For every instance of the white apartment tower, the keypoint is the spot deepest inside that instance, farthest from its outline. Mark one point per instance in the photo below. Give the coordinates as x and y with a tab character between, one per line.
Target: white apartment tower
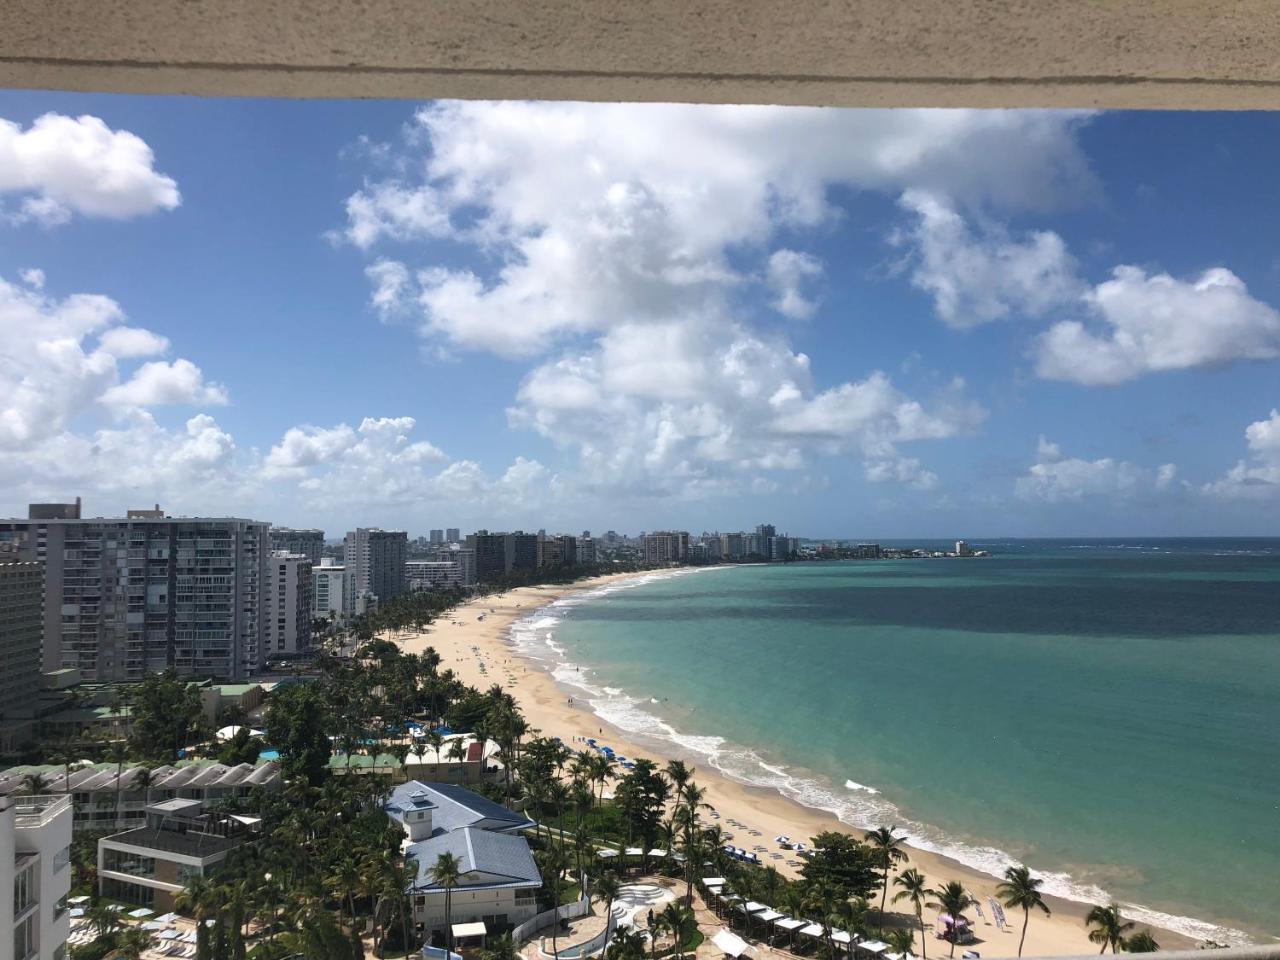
35	876
287	618
329	594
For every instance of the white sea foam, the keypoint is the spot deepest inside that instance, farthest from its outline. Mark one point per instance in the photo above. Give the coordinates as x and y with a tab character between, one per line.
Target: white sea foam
854	785
858	805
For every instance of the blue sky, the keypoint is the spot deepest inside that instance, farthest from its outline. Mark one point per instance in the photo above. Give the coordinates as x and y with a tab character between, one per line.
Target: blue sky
570	316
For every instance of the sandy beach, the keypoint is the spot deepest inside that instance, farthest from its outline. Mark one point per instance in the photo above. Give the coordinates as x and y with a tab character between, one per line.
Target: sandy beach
473	642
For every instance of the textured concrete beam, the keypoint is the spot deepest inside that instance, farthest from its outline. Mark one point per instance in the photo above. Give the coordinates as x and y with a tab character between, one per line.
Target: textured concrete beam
1121	53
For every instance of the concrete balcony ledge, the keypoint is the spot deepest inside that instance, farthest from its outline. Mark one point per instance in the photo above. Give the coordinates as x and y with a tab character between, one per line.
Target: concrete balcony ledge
1254	952
1126	53
35	811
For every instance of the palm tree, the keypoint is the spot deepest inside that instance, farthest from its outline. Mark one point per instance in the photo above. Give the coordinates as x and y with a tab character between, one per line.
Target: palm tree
1110	927
901	940
118	752
445	874
1140	942
952	898
435	740
104	922
1020	889
606	889
132	941
627	945
342	882
34	783
888	851
553	864
198	899
912	882
143	778
679	921
501	948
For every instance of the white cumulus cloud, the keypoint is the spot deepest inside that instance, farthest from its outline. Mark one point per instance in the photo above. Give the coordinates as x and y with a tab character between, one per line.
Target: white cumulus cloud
978	277
788	270
1150	323
1058	478
161	383
1258	476
60	166
618	247
60	358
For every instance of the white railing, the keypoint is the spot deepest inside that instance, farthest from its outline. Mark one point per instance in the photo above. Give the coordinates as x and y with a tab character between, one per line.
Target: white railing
568	911
39	809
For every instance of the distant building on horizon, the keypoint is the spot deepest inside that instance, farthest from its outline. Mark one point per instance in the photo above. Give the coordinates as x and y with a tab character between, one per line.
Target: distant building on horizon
668	546
453	535
309	543
437	537
375	561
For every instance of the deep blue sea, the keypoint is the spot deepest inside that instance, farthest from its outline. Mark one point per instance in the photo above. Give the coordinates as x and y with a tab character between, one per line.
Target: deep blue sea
1107	712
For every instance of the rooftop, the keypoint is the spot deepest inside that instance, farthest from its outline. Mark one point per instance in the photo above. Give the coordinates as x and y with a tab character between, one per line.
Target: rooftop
454	808
184	774
485	859
35	811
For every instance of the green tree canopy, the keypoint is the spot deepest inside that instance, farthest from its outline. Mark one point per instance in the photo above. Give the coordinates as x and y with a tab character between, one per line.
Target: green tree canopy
165	714
844	864
297	724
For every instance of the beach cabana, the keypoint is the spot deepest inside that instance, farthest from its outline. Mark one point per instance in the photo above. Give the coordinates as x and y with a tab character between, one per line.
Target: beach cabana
713	881
730	944
469	934
790	925
873	948
844	939
634	851
815	930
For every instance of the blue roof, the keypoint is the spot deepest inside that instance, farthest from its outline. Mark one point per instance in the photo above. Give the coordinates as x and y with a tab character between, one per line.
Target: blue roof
486	860
453	808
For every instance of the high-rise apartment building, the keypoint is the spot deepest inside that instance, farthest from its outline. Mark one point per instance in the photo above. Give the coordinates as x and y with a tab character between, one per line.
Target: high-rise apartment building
309	543
21	622
669	546
586	550
125	597
490	552
559	551
437	537
329	594
453	535
375	562
286	631
521	551
35	876
432	574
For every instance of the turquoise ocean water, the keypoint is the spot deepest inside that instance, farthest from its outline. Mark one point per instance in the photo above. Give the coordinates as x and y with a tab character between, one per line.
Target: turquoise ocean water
1107	712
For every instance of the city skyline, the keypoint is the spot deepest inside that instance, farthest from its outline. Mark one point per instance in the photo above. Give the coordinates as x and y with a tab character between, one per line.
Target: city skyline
511	316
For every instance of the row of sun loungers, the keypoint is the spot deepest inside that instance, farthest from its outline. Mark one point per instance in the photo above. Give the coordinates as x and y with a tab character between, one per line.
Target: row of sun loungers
792	927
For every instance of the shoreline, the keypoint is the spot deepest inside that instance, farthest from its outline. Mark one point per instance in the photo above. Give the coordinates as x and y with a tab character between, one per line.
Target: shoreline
481	652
